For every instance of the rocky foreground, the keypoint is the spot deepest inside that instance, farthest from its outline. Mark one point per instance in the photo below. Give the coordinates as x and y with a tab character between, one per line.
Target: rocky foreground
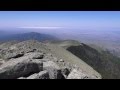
33	60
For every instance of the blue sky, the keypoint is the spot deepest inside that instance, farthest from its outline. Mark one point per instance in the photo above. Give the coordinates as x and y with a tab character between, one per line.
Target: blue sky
60	19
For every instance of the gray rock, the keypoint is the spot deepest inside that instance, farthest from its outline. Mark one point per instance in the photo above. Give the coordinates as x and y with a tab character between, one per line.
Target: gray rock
40	75
31	50
21	78
10	55
50	56
61	60
51	64
55	59
36	55
43	60
1	61
20	67
33	76
65	71
77	74
53	69
43	75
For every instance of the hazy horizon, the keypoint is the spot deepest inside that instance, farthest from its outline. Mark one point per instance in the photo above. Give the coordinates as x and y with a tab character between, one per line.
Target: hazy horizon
60	19
88	26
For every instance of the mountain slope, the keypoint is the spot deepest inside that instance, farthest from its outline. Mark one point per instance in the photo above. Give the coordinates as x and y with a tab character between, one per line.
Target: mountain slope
69	57
102	61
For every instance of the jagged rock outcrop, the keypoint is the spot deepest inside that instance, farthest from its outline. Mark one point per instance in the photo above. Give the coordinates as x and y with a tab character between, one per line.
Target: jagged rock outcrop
35	60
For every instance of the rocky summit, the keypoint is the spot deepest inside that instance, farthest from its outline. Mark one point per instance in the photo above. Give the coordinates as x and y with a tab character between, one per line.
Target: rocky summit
32	59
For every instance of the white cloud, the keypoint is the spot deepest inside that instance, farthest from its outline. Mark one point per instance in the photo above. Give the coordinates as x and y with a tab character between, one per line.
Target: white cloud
41	27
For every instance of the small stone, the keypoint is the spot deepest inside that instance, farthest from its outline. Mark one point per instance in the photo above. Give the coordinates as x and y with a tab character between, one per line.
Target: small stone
61	60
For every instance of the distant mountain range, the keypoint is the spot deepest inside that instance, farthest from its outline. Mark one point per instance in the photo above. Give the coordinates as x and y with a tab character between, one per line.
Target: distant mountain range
27	36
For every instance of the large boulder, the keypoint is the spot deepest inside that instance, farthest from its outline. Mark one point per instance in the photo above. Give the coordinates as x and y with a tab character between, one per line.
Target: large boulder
78	74
21	67
40	75
53	69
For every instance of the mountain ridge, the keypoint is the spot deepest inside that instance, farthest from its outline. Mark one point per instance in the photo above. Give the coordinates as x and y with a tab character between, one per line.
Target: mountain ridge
52	52
28	36
101	60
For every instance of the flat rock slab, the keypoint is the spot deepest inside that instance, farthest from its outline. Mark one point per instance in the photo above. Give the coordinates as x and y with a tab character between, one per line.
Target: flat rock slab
20	67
